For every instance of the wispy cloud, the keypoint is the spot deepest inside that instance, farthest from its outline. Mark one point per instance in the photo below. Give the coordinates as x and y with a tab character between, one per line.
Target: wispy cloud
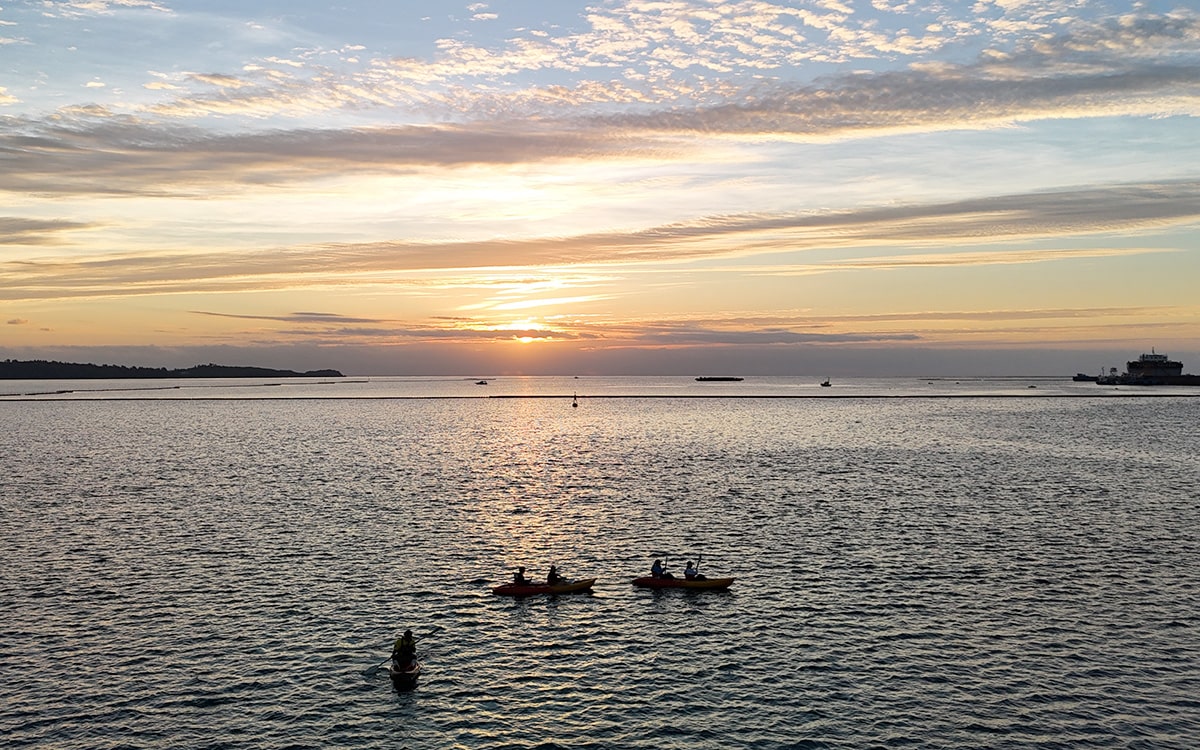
118	155
320	318
83	8
954	258
219	80
19	231
685	334
980	221
748	331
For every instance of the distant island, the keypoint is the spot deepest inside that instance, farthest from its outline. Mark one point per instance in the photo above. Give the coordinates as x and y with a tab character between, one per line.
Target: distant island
11	369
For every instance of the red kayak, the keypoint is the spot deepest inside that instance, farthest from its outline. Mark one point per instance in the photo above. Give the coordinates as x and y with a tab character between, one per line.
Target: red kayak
711	584
406	676
532	589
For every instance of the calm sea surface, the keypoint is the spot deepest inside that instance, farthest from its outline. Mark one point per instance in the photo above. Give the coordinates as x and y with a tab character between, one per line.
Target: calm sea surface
216	565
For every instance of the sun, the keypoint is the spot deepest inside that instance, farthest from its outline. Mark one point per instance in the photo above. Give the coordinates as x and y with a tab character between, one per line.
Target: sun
527	330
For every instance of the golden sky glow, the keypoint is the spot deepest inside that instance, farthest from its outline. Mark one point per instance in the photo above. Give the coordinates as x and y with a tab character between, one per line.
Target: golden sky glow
623	185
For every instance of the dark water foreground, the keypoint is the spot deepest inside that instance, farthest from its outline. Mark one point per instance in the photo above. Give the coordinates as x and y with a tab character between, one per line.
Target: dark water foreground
996	573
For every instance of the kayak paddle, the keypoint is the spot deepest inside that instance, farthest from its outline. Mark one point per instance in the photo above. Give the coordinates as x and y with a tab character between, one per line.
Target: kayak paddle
372	670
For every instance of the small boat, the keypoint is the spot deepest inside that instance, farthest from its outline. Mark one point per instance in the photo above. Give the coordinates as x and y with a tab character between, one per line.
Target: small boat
480	382
711	584
825	383
533	589
405	677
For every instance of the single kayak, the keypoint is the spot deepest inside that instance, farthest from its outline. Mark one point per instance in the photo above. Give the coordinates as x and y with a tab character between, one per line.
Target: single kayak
406	676
712	584
532	589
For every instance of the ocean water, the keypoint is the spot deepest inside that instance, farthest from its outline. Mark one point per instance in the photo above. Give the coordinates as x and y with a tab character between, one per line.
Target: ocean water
219	567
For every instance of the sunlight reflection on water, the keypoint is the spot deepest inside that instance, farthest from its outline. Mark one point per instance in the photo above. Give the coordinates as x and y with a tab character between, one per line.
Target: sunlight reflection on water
933	573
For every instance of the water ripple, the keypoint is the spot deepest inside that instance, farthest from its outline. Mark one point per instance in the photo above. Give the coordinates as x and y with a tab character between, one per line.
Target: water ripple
933	574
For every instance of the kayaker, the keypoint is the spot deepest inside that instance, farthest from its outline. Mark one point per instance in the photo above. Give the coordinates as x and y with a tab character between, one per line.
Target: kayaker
553	577
658	571
691	573
519	576
405	650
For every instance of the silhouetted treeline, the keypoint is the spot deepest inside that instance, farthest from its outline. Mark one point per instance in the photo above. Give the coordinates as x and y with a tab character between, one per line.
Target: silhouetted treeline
12	369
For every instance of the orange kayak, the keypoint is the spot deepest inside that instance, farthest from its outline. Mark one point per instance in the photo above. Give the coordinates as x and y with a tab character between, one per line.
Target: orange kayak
712	584
532	589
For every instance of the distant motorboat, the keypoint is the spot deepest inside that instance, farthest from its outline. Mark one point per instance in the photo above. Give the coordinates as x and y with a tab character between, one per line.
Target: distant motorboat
825	383
480	382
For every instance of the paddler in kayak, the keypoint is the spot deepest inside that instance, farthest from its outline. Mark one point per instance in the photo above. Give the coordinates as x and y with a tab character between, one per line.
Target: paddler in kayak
405	650
552	577
658	571
519	577
692	573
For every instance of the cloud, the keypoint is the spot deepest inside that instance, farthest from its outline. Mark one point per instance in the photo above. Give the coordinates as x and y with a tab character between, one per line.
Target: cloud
121	155
18	231
1005	257
691	335
927	101
219	80
335	328
297	317
1143	66
734	68
779	330
1122	208
1140	67
83	8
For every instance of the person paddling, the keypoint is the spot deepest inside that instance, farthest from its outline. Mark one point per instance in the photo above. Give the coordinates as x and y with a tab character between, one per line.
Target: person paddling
692	573
552	577
519	576
658	571
404	652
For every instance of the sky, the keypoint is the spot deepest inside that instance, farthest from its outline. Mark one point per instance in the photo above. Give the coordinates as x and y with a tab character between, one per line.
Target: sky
750	187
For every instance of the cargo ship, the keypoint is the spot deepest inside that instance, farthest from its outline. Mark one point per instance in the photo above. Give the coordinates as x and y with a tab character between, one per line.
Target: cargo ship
1150	369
